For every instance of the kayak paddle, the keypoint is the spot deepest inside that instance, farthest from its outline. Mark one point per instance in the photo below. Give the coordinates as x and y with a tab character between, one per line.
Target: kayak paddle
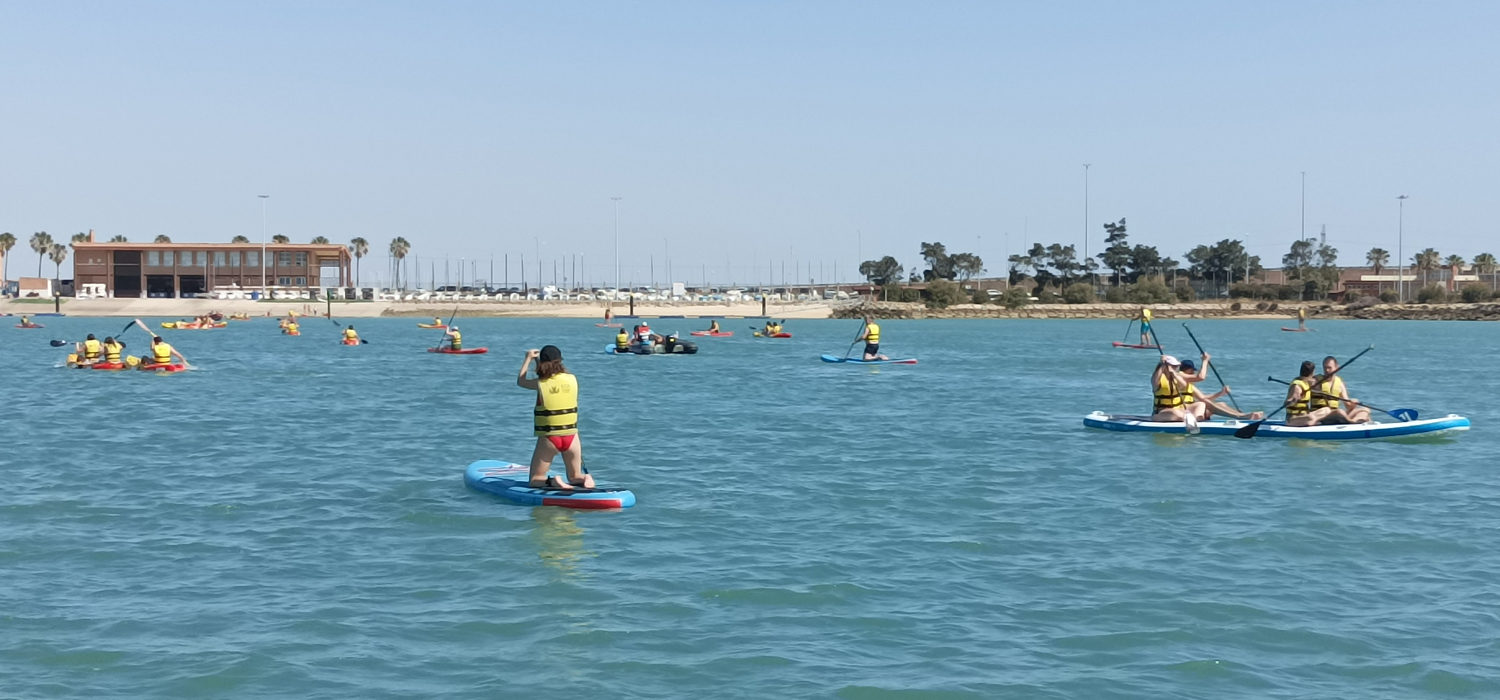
1211	365
1405	415
1249	431
60	343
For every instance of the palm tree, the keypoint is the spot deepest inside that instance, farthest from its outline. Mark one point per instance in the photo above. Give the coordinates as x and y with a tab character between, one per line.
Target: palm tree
119	239
163	238
40	242
1454	263
58	252
1484	264
239	239
399	249
280	239
320	240
358	247
78	238
1378	258
1426	260
7	241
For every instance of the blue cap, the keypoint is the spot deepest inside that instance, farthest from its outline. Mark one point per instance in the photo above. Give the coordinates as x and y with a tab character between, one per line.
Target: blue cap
1189	366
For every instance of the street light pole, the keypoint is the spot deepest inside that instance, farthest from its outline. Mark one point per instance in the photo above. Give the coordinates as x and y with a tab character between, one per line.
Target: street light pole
263	199
1400	254
617	242
1086	221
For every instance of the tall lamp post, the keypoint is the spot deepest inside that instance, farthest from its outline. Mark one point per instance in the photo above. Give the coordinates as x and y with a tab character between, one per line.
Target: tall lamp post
263	198
617	243
1086	221
1400	254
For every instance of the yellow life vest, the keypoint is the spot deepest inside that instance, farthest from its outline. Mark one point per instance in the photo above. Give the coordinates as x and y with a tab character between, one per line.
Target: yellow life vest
91	349
622	340
556	411
112	352
456	340
872	333
1303	406
350	334
1146	315
1333	387
291	328
161	354
1165	395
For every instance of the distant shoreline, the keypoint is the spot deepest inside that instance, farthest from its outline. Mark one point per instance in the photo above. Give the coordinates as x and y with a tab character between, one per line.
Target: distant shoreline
1248	310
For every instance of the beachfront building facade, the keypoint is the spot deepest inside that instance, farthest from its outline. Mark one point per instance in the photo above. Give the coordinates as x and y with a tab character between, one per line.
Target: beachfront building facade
170	270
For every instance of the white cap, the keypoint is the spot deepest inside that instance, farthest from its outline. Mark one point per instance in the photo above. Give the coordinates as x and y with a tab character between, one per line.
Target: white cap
1170	360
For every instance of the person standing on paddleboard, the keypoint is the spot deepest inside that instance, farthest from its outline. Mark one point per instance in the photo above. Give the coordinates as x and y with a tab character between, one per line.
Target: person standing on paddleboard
1146	338
1331	394
555	420
870	333
1302	322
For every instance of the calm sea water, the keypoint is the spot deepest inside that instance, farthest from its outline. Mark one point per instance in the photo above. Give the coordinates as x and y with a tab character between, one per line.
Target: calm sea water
290	521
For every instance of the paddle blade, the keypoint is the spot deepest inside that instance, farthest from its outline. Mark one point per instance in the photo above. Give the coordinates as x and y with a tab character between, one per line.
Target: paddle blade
1405	415
1191	422
59	343
1248	431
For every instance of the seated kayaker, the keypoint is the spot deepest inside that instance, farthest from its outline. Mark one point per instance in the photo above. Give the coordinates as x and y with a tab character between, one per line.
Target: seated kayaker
454	338
1299	409
112	349
554	420
90	350
1205	407
713	326
1169	391
870	334
291	328
1332	394
1146	327
162	353
26	322
350	336
438	322
622	341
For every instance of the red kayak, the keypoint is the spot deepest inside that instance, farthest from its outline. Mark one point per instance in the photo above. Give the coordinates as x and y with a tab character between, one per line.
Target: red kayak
1138	347
713	334
163	368
34	325
451	351
774	335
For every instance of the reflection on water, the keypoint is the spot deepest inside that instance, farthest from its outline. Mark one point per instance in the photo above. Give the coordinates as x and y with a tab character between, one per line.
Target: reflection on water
559	540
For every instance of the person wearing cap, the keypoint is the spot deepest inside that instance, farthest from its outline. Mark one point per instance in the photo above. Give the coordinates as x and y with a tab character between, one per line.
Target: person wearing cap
870	333
1146	338
454	338
1205	407
1169	391
554	419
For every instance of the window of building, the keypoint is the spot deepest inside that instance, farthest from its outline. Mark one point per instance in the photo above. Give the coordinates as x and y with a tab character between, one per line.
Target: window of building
301	281
302	260
234	258
153	258
252	258
284	281
166	258
219	259
202	258
284	259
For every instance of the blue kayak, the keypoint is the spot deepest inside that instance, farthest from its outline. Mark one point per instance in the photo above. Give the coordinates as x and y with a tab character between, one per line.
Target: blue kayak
509	481
860	361
1428	427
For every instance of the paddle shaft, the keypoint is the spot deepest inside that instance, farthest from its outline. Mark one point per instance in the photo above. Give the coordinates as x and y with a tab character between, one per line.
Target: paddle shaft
153	335
1250	430
1211	365
449	327
1327	395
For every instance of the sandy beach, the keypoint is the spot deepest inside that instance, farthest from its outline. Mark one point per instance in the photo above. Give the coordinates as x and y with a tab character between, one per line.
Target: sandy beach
189	308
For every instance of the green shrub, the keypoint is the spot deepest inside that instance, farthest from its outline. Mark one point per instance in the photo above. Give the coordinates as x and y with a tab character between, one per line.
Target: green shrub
1015	298
1184	293
1286	292
898	293
942	294
1242	290
1115	295
979	297
1149	292
1432	294
1078	294
1389	296
1476	293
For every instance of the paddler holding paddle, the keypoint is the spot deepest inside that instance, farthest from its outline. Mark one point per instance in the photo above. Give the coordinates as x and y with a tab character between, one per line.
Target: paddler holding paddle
1329	392
1146	338
870	334
1302	319
713	326
1300	412
554	419
1205	407
454	338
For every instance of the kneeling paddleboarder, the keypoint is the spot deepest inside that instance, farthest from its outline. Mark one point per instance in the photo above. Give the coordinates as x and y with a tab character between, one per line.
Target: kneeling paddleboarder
555	420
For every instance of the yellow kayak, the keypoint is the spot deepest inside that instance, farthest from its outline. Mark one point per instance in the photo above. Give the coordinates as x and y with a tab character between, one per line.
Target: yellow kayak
183	326
431	325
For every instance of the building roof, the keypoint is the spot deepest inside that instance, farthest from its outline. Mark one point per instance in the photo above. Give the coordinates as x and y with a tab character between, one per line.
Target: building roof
311	247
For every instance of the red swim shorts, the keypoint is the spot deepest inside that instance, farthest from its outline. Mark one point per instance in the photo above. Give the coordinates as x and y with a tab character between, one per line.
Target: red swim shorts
561	442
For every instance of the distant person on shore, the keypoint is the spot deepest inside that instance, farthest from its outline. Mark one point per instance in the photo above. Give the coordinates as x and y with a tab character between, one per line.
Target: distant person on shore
870	334
454	338
1146	338
1333	395
554	420
1299	395
1204	407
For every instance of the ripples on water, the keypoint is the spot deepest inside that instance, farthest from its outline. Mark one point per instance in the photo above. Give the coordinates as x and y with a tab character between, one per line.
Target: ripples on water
290	521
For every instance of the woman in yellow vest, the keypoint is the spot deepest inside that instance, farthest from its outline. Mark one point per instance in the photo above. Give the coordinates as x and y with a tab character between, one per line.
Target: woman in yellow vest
1169	391
622	341
112	350
554	420
90	351
1331	394
454	338
350	336
1299	396
870	333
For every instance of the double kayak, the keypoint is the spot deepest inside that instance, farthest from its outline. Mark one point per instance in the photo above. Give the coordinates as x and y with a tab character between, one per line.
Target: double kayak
511	482
713	334
1428	427
185	326
1137	347
433	325
105	366
466	351
862	361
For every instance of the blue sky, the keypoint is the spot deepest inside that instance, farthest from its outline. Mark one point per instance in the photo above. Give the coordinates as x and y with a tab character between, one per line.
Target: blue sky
742	135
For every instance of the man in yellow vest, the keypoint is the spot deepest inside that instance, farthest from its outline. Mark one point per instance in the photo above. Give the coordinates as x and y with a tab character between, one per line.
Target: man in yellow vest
1331	394
871	335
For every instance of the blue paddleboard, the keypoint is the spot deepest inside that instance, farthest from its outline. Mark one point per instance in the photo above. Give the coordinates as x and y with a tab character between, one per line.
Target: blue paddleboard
860	361
510	482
